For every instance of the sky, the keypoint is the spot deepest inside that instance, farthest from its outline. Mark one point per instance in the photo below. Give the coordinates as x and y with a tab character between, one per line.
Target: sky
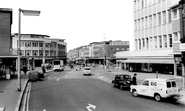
79	22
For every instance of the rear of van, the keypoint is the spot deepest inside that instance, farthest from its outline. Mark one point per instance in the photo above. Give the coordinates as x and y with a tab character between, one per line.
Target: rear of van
171	88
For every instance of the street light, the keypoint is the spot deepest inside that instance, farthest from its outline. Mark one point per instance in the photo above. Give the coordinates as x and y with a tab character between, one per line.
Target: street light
27	13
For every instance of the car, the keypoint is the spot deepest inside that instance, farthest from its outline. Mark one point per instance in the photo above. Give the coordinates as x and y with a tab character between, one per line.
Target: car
87	71
35	75
122	81
157	88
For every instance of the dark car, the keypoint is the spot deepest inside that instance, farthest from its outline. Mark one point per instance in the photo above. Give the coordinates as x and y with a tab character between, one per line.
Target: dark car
122	81
35	75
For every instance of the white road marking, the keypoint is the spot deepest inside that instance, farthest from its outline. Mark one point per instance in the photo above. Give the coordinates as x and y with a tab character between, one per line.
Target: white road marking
90	106
104	79
44	110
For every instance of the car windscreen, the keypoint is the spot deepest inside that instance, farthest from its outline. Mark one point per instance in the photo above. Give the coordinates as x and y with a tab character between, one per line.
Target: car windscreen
87	69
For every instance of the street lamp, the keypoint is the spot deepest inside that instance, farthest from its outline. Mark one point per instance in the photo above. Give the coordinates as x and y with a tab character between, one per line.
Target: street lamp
27	13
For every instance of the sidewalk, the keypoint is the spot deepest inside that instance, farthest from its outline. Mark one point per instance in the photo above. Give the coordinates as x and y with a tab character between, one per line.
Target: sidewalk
10	97
142	76
9	94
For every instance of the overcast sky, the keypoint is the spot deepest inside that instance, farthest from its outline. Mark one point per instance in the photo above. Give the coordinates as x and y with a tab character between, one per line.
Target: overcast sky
79	22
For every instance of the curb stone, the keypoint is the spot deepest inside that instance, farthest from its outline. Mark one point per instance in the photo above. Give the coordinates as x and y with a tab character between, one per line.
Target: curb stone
20	97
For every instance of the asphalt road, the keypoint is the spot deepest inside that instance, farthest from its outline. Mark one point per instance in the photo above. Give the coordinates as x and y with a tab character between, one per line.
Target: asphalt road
71	91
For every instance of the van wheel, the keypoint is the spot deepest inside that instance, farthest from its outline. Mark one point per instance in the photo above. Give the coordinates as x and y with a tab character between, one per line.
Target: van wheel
157	97
134	92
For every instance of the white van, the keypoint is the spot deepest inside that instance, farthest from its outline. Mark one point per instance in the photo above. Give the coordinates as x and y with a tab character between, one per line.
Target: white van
58	65
157	88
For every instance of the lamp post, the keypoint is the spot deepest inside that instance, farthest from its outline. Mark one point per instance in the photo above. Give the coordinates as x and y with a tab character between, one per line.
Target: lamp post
28	13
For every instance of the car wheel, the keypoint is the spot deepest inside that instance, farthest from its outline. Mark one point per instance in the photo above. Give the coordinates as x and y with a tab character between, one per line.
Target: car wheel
134	92
114	84
157	97
121	87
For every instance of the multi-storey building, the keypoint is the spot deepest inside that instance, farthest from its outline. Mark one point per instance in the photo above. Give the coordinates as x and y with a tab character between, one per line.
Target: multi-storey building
156	33
37	49
98	52
7	59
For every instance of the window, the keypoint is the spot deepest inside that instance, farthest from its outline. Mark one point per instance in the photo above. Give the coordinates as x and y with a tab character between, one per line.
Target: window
174	13
155	42
28	44
122	48
40	44
139	24
146	43
170	40
139	43
143	40
112	48
165	41
22	43
151	42
174	84
135	26
35	52
136	44
145	3
169	16
142	23
35	44
164	17
22	53
160	42
145	83
150	18
154	19
159	18
153	83
142	4
168	84
41	53
28	52
146	22
175	36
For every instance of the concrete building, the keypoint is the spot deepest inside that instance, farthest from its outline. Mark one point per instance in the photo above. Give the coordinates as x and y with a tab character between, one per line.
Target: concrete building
98	52
156	37
7	59
37	49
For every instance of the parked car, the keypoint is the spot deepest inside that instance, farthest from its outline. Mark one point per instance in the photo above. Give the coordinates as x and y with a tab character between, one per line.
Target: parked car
122	81
35	75
157	88
59	68
87	71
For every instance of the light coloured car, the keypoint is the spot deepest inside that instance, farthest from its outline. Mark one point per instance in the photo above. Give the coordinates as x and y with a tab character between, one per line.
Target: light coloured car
87	71
157	88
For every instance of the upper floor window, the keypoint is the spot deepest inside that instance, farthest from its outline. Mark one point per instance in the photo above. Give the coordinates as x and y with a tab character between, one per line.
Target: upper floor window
159	18
169	16
175	36
154	19
28	44
174	13
146	3
164	17
165	41
160	42
170	40
146	22
150	17
142	4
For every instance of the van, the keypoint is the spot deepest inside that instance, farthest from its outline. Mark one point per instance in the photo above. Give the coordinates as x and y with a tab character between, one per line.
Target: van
157	88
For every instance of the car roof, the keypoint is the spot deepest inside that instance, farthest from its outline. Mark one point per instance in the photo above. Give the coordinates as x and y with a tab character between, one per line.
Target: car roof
159	79
123	75
87	67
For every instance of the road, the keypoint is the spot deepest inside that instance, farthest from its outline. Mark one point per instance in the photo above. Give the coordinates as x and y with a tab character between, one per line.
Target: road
71	91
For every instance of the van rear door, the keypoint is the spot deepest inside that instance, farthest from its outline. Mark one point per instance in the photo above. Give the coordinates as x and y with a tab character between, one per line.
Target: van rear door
172	88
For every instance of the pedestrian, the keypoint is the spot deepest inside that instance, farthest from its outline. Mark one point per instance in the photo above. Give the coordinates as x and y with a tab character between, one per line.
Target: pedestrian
134	80
24	69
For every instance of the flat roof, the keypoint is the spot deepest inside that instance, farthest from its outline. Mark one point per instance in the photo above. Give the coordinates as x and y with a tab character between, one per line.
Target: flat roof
9	10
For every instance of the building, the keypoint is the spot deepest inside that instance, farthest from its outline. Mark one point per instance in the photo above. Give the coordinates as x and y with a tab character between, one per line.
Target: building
98	52
37	49
156	37
7	59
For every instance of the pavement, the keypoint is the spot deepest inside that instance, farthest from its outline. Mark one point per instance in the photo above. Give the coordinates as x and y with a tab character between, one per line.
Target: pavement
10	97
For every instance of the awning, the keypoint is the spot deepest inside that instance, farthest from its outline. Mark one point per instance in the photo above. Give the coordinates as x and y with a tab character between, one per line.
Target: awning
150	61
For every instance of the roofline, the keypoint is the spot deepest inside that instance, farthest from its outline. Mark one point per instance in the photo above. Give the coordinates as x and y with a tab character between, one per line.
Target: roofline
10	10
31	34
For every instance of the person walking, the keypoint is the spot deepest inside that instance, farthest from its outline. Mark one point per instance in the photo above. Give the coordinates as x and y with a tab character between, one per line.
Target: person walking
134	79
24	69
